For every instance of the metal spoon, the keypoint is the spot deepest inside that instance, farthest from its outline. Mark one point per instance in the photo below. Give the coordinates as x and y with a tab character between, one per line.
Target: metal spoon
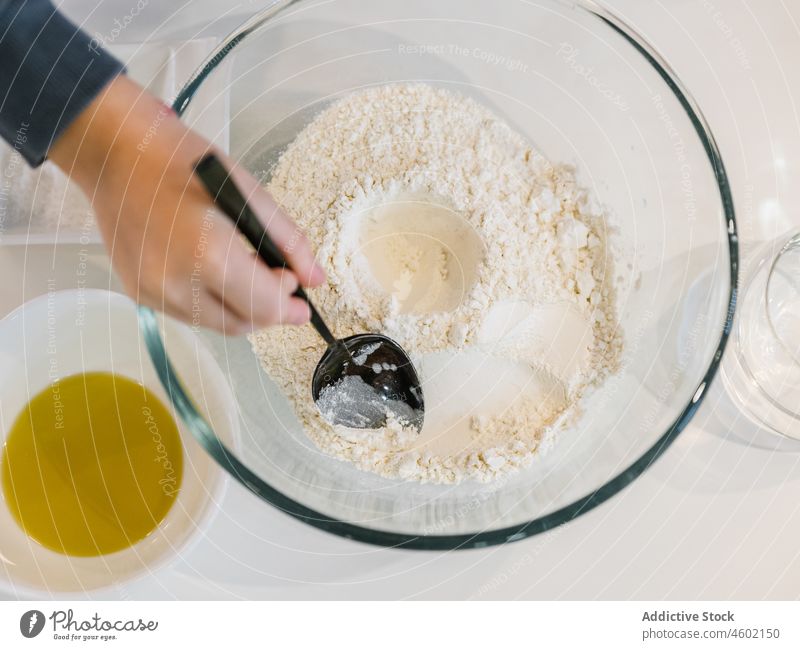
361	379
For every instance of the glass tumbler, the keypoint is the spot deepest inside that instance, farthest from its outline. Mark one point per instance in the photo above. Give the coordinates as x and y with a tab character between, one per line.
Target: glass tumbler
761	372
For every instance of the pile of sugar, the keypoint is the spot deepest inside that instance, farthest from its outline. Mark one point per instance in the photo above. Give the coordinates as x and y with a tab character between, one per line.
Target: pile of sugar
413	149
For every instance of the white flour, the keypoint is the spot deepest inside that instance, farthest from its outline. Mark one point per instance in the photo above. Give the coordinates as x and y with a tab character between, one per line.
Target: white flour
442	228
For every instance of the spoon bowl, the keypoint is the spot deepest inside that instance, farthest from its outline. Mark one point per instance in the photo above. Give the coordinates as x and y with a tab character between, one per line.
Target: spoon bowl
366	379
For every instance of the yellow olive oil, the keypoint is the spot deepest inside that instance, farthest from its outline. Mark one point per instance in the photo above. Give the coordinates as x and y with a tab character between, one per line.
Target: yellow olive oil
92	464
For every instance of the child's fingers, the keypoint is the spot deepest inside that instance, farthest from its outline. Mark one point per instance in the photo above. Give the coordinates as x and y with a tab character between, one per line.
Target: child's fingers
283	231
263	297
254	292
206	310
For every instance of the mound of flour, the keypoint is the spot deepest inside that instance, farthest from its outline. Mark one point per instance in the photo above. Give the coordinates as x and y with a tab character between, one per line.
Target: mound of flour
442	228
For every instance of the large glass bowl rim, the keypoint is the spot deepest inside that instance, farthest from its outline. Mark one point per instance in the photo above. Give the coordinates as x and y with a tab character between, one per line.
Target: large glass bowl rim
201	430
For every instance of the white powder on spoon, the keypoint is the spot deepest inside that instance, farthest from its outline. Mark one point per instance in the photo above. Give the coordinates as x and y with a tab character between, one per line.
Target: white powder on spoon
443	229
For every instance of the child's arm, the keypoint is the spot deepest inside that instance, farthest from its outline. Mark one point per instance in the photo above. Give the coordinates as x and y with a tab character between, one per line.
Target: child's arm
63	97
170	246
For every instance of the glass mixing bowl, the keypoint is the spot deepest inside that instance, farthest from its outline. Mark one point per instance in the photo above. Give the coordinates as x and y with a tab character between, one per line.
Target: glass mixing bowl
586	90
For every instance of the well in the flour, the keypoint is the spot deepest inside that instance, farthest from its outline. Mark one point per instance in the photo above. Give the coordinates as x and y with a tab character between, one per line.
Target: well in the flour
421	253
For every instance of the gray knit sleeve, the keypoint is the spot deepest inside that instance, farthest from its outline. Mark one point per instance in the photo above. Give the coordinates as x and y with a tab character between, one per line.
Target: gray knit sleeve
49	72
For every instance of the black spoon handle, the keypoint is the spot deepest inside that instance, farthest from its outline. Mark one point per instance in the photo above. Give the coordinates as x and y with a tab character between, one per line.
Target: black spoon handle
229	199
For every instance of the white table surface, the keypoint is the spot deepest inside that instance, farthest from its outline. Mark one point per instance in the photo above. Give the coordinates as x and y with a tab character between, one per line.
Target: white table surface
716	517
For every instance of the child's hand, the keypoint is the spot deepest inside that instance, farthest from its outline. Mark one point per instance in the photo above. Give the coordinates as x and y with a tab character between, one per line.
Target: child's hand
172	249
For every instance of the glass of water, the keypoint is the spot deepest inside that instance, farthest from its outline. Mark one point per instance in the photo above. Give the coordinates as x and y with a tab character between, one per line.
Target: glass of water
762	369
